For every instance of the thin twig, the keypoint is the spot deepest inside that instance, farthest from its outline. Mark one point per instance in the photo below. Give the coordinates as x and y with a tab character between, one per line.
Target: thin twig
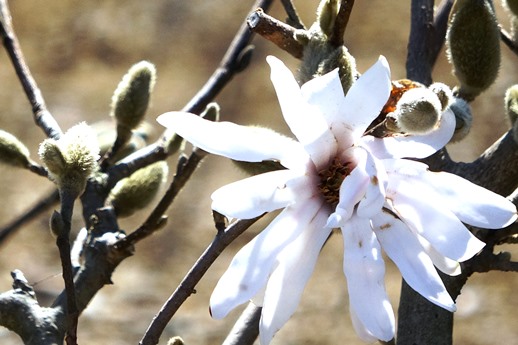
507	38
42	205
246	328
42	116
293	17
342	19
275	31
186	287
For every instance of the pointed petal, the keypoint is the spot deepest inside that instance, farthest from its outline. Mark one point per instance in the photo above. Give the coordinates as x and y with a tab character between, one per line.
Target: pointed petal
425	215
413	146
295	263
249	270
253	196
366	98
352	190
305	120
416	267
250	144
375	193
443	264
365	271
471	203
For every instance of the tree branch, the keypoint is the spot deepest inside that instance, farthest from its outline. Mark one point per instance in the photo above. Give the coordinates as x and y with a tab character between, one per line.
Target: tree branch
246	328
186	287
42	116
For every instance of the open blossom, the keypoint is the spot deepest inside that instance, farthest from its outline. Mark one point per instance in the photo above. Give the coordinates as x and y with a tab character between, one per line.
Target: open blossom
338	177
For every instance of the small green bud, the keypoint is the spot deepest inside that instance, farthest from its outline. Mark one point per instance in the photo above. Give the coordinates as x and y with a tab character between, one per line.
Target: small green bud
463	119
12	151
175	341
473	46
131	98
71	159
138	190
326	15
417	111
511	103
444	94
57	225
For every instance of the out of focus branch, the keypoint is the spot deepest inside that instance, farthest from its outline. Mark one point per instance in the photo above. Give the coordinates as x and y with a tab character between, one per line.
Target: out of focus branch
186	287
42	116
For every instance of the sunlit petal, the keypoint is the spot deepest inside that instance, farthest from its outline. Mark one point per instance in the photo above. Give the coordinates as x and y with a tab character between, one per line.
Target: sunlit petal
375	193
253	196
294	266
366	98
252	265
416	267
428	217
305	119
250	144
365	271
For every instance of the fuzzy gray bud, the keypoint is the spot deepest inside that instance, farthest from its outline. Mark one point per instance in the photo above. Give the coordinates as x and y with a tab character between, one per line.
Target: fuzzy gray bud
417	111
12	151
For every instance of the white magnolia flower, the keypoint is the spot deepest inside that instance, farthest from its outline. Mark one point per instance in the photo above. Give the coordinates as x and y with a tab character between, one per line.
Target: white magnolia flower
337	177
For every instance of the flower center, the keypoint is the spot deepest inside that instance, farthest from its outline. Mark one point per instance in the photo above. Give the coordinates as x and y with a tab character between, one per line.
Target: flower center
331	179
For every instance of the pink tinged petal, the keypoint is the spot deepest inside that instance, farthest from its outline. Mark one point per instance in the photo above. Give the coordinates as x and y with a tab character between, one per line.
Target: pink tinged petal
426	215
366	98
352	190
242	143
295	263
416	267
249	270
365	271
375	193
253	196
472	204
413	146
305	120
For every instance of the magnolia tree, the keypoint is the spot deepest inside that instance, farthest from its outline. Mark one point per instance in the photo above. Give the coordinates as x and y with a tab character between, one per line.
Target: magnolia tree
366	161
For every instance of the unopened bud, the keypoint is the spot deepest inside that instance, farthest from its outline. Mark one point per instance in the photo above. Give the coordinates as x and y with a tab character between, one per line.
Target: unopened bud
473	48
12	151
138	190
417	111
71	159
131	98
57	225
511	103
175	341
326	15
463	119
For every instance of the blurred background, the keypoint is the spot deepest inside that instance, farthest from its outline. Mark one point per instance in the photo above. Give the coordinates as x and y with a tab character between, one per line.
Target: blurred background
79	50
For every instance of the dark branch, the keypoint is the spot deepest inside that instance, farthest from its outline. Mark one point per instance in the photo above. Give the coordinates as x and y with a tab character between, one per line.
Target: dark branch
293	17
275	31
246	328
342	19
186	287
42	116
509	41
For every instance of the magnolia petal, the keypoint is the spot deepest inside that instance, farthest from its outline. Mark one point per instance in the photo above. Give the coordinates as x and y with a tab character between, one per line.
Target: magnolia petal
365	271
352	190
360	328
295	263
305	120
374	197
443	264
413	146
249	270
250	144
416	267
366	98
253	196
425	215
471	203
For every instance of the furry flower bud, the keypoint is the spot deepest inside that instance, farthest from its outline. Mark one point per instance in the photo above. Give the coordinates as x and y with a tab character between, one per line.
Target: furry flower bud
12	151
71	159
463	119
511	103
326	15
417	111
138	190
131	98
57	225
473	48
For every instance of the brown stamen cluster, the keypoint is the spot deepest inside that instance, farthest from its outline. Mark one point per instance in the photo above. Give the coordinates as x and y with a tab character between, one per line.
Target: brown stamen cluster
331	179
